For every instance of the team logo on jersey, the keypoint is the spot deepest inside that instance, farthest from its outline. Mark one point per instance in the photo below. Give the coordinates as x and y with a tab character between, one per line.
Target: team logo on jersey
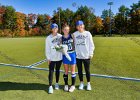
56	40
81	39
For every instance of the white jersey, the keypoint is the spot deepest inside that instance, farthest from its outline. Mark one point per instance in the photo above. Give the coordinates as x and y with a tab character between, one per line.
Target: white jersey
51	53
84	45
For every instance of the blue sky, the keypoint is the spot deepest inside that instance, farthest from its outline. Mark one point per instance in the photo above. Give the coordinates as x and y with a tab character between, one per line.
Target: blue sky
48	6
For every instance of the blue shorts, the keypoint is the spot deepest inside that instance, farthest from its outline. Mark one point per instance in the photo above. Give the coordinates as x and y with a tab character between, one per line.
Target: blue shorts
73	59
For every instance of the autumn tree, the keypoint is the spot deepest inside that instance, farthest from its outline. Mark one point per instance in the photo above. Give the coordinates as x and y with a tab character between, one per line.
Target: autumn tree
98	25
31	19
2	12
20	24
43	24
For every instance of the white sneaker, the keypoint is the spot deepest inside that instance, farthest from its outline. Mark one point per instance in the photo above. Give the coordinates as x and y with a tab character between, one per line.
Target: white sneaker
88	87
57	86
66	88
81	86
72	88
50	90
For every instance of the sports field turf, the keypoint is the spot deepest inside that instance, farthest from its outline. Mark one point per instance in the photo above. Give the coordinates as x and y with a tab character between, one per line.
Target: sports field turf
118	56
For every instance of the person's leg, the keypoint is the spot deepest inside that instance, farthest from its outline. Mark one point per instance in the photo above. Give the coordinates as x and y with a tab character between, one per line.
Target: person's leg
80	73
73	75
73	78
65	76
51	70
87	68
79	67
73	64
57	74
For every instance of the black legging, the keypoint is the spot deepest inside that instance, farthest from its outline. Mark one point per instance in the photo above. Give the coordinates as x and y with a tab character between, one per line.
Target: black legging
86	63
57	65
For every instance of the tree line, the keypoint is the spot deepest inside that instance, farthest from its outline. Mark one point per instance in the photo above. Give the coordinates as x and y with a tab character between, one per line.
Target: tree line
16	24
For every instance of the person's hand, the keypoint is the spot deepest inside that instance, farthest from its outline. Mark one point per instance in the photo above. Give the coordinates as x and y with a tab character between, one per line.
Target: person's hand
49	62
91	56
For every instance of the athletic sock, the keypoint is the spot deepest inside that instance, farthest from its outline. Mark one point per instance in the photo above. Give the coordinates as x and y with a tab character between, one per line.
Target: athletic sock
65	79
73	78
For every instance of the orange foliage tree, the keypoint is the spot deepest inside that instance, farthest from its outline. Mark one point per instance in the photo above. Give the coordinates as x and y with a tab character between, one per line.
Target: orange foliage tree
20	26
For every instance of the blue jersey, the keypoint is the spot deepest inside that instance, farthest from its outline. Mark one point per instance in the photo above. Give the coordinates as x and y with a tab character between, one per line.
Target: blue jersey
69	42
71	50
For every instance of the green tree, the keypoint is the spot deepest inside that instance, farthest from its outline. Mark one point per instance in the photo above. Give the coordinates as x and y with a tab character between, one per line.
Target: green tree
9	18
84	13
135	18
66	17
106	21
43	24
121	20
105	14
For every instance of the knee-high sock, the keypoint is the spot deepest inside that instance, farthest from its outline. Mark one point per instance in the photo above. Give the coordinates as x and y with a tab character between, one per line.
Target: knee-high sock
73	79
65	79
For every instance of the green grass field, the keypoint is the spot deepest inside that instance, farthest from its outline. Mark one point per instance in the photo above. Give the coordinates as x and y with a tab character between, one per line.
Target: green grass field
118	56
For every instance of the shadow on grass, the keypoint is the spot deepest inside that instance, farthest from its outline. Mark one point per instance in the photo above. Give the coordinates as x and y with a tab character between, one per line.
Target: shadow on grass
5	86
77	87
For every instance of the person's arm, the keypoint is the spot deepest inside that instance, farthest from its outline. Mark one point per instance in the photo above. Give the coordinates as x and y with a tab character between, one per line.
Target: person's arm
73	40
72	36
91	46
60	41
47	50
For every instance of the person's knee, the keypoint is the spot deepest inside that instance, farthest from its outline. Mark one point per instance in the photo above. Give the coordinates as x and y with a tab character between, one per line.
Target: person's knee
80	71
87	72
57	71
51	71
66	73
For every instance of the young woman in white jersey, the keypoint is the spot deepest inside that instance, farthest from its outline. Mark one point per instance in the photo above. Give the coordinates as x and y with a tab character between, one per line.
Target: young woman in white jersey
84	48
54	57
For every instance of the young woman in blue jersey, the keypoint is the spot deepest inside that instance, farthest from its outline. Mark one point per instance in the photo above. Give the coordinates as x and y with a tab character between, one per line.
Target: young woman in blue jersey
67	39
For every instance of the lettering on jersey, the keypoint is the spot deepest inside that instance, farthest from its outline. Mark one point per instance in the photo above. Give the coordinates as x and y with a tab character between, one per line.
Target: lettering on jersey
81	40
68	41
56	40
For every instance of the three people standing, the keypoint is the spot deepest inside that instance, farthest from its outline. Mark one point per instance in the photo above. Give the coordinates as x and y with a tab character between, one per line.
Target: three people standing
80	49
